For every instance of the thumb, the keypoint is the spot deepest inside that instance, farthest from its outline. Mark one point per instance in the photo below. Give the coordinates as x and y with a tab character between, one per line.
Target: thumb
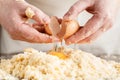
77	8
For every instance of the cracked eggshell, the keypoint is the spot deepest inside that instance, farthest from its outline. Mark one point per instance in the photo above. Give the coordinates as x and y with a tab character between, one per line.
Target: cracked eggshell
68	28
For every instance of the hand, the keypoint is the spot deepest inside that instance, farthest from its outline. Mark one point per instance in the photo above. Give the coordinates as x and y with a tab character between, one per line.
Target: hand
13	19
103	16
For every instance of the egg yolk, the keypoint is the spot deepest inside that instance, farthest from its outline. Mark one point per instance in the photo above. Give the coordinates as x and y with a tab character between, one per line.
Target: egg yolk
59	54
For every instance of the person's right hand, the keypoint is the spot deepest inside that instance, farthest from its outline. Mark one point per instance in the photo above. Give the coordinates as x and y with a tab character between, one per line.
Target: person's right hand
104	13
12	18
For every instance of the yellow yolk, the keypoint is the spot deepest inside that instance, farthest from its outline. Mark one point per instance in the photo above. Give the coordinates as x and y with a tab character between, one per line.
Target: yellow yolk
58	54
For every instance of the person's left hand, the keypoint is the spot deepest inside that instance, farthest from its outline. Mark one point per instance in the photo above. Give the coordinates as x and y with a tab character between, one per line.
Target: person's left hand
103	16
14	15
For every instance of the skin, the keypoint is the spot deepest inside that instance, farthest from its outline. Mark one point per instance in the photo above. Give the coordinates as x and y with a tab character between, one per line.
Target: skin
103	11
13	19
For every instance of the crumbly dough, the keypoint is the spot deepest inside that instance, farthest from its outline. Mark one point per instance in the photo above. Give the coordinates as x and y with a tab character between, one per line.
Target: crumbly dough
80	65
6	76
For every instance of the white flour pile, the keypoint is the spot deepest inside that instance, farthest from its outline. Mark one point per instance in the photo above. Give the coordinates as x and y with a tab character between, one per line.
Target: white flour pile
34	65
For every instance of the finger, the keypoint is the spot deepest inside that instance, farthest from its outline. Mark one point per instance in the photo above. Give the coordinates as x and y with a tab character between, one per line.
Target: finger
40	16
96	34
35	14
25	32
39	27
32	35
78	7
90	27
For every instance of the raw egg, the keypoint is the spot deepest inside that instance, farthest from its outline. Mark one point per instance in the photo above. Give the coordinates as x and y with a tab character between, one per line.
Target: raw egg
60	55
